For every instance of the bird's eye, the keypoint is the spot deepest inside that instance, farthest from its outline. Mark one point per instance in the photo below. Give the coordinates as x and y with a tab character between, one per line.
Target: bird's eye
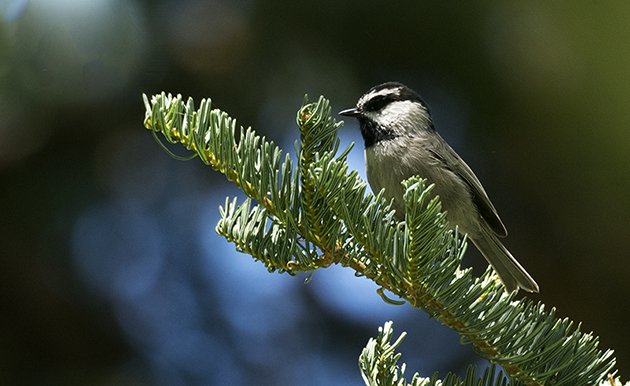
377	103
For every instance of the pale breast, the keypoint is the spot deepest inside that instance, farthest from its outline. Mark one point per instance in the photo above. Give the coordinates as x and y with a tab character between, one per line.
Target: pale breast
388	163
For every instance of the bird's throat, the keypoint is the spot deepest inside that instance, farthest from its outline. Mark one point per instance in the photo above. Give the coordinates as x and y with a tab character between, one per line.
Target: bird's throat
374	133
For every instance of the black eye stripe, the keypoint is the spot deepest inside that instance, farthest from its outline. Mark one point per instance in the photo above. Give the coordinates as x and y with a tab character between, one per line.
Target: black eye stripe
378	102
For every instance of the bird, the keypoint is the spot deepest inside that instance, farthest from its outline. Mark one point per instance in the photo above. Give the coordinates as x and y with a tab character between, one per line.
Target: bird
400	142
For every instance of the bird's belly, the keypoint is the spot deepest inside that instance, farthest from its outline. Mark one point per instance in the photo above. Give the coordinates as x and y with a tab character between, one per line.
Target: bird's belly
386	169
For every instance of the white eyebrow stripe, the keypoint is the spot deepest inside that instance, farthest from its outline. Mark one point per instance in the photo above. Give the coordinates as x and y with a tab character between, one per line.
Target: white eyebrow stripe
374	94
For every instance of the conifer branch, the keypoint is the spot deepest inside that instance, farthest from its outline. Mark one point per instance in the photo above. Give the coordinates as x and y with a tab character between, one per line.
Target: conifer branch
320	213
379	366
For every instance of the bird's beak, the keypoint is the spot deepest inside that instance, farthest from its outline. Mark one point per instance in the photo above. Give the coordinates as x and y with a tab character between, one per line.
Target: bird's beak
353	112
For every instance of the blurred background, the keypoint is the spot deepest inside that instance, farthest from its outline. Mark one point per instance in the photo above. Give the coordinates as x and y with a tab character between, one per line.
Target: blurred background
111	272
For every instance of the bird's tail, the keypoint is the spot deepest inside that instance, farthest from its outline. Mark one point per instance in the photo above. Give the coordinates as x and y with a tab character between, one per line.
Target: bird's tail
511	272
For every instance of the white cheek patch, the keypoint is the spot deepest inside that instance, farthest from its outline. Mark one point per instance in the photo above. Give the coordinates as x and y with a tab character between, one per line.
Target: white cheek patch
403	115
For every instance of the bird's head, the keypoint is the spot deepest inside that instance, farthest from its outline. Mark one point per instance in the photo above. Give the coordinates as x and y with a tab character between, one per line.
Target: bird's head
388	111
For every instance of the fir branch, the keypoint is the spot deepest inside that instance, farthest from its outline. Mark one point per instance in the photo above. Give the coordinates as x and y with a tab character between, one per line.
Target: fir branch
318	133
319	213
479	310
378	363
379	366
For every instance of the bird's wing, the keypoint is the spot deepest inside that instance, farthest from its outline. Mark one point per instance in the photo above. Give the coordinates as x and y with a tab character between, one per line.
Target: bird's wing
479	196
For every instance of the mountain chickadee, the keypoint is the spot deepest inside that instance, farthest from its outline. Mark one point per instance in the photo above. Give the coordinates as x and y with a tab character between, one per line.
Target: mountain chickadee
400	142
